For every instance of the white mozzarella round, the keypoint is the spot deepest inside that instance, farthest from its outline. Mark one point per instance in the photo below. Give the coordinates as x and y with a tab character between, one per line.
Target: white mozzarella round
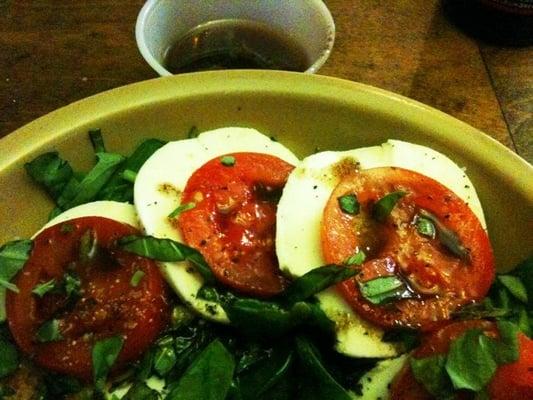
375	383
121	212
162	179
299	219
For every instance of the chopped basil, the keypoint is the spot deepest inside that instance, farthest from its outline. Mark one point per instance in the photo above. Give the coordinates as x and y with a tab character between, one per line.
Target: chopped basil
357	259
384	289
228	161
447	237
209	376
49	332
104	354
315	281
13	256
129	175
181	208
349	204
97	141
166	250
9	358
88	246
51	172
515	287
66	228
43	288
384	206
72	284
136	278
426	227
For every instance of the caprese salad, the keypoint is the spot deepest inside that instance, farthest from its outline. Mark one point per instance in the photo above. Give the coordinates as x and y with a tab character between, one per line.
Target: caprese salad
223	267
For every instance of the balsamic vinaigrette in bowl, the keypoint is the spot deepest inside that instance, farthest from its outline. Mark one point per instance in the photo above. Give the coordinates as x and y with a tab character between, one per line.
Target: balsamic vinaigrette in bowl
235	44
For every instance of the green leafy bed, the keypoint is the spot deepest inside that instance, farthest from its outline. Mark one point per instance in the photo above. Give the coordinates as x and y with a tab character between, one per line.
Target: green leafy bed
276	349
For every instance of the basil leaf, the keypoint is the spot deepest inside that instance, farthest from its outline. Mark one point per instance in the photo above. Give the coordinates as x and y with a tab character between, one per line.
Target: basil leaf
524	271
506	350
426	227
140	391
49	332
136	278
447	237
315	281
43	288
95	180
209	377
181	208
104	354
9	358
258	318
324	386
13	256
166	250
119	187
431	373
129	175
515	287
88	246
470	363
384	206
51	172
72	284
384	289
97	141
164	359
349	204
228	161
357	259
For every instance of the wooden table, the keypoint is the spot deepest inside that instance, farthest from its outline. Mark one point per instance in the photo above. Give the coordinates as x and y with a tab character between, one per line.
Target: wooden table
53	52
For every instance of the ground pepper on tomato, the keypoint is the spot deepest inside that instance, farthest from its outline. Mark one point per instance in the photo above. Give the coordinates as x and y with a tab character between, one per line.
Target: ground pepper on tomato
429	279
233	220
91	297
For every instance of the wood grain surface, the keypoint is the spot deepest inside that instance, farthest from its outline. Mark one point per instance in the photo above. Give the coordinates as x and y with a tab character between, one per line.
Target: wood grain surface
54	52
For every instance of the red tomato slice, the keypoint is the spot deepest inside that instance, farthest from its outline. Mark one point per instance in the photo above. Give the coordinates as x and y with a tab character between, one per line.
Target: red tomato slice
438	281
233	222
108	304
515	381
406	387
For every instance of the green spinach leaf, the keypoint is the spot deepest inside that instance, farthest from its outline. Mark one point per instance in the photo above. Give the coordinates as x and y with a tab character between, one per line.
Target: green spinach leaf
51	172
13	256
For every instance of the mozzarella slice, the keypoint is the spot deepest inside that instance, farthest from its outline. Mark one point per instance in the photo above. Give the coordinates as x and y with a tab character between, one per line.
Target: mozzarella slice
299	219
162	179
376	382
121	212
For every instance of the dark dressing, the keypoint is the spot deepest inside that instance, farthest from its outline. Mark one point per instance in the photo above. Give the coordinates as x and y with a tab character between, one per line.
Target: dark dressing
235	44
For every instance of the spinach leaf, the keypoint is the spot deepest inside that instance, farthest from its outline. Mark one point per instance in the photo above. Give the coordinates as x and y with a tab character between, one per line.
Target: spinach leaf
515	287
51	172
166	250
266	374
320	383
13	256
524	271
140	391
87	190
95	135
384	206
470	364
120	189
315	281
9	358
104	354
431	373
209	377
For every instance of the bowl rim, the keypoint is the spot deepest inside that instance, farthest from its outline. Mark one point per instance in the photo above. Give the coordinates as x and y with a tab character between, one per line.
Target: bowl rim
49	127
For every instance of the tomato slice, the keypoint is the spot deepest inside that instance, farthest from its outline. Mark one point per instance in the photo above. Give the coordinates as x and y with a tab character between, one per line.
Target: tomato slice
107	303
406	387
515	381
233	221
437	282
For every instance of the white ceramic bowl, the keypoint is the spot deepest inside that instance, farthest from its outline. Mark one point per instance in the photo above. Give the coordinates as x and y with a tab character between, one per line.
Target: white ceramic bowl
161	22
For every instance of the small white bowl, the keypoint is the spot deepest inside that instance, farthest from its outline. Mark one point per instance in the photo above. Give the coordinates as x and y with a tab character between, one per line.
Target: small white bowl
162	22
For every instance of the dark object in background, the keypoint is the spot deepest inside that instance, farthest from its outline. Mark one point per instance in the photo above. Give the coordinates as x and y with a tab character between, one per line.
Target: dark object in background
500	22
